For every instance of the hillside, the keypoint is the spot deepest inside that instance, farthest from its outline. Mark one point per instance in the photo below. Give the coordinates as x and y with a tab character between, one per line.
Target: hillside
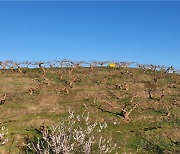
140	106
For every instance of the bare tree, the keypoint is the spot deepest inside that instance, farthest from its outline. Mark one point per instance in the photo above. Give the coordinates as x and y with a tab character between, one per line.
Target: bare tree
4	64
3	99
73	80
126	113
149	93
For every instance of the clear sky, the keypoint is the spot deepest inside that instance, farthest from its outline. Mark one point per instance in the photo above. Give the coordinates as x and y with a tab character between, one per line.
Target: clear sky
144	32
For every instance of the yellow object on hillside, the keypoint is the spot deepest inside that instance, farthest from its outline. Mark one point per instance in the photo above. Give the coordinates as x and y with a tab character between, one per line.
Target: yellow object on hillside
112	65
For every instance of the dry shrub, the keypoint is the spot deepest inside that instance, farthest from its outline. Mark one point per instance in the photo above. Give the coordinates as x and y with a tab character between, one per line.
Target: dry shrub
72	135
3	135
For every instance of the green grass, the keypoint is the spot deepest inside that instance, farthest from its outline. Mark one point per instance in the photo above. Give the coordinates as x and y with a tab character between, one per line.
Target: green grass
148	130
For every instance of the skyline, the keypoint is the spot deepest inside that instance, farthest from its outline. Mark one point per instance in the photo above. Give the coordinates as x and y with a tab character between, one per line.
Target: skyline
143	32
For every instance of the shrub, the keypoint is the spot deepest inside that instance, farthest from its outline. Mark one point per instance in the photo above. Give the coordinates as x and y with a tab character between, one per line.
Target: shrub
3	135
72	135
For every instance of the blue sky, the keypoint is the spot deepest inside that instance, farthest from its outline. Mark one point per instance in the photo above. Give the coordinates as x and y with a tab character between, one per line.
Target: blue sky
144	32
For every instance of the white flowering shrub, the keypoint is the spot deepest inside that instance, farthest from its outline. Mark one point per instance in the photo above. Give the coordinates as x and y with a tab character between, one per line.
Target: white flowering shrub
74	135
3	135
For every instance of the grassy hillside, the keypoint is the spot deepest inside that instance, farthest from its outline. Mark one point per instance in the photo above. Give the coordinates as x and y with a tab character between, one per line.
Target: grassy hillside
141	107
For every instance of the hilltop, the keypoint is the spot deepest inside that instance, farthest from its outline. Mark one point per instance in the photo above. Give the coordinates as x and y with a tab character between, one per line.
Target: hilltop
140	106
